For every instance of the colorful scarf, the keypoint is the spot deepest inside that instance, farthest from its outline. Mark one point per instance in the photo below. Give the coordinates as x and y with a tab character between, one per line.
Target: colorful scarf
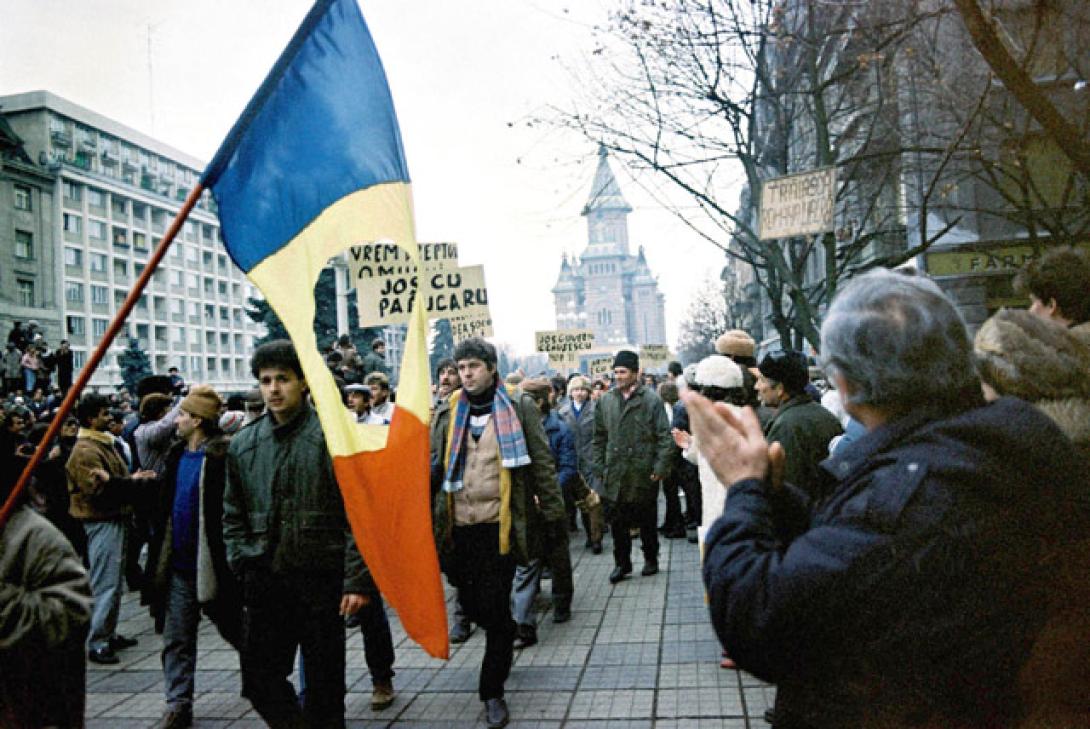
512	443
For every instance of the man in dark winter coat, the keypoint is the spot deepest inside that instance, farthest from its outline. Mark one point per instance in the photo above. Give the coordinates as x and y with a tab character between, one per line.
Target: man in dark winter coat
288	542
187	561
632	452
951	540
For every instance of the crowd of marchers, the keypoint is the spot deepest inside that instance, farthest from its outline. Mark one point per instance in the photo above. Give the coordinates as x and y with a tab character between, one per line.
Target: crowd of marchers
895	535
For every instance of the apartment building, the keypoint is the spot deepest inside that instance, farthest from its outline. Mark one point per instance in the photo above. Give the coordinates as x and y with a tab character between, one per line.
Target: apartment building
81	211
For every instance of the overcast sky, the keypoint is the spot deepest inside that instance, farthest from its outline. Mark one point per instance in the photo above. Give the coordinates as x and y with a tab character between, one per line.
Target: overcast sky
465	77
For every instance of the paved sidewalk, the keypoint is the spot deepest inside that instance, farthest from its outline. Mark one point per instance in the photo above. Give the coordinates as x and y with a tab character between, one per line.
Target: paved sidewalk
637	655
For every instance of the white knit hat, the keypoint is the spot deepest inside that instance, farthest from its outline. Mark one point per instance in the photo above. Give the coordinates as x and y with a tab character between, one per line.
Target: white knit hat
718	371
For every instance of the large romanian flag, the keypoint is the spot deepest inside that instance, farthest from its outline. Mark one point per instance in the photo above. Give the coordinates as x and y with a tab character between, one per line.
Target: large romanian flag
313	166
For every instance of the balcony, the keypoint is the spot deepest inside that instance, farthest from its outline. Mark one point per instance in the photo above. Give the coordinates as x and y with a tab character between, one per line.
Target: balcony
61	139
109	158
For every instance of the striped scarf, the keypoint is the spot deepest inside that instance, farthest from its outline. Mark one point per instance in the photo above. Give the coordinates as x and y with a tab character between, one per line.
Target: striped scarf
512	443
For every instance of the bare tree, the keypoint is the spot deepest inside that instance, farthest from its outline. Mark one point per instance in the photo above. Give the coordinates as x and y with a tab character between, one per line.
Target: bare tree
707	317
708	94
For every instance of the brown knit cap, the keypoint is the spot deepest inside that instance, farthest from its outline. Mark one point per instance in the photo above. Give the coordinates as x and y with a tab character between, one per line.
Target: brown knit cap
203	402
735	343
153	402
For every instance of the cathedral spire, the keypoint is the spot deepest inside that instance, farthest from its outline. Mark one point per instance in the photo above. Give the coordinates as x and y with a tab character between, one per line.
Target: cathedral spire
605	193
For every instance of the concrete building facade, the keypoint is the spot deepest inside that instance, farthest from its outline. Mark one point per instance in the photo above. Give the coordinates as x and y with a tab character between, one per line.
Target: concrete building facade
101	196
608	289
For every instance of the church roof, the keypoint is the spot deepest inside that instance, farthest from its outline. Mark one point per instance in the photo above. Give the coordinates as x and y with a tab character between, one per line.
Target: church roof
605	193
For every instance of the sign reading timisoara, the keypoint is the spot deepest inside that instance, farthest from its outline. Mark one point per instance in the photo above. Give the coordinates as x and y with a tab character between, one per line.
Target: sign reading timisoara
564	345
800	204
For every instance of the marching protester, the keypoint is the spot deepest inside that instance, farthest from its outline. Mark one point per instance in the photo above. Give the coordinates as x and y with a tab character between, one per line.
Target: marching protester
375	360
929	550
359	401
498	488
288	543
382	408
578	413
632	450
102	493
556	556
187	562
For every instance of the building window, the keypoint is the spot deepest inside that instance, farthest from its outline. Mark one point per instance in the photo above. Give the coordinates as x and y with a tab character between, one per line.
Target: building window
121	268
26	292
73	292
74	257
24	244
99	295
98	327
72	223
176	278
96	198
22	197
192	281
96	229
72	192
98	262
75	326
222	288
139	241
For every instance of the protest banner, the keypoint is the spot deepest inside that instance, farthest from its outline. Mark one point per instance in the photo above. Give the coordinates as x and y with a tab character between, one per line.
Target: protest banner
564	345
381	272
456	292
464	327
799	204
654	355
600	366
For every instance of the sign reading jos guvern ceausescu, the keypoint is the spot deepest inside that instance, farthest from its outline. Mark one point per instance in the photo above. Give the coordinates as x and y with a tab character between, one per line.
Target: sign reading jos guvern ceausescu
800	204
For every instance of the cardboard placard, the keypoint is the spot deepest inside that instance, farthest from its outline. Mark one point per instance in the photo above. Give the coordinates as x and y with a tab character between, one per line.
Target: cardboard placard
600	366
447	292
654	355
564	345
464	327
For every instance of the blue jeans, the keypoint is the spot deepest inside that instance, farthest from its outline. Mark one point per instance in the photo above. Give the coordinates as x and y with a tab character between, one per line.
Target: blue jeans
30	377
179	655
378	645
106	556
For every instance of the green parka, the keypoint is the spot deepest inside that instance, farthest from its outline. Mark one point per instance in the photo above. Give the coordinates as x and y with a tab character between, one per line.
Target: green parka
282	508
632	441
804	429
535	494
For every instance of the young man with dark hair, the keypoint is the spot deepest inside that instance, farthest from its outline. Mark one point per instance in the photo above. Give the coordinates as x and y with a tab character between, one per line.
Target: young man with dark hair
497	488
187	563
375	360
101	492
1058	285
288	542
382	409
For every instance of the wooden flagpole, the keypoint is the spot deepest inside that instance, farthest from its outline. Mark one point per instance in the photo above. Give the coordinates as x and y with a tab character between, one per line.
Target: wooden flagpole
96	357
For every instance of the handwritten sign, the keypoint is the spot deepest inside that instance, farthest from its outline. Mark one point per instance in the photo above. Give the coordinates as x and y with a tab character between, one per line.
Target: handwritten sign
654	355
600	366
801	204
564	345
447	293
379	260
464	327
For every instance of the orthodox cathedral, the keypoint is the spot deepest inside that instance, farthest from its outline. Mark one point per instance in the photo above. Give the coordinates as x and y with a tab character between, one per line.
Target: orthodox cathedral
608	290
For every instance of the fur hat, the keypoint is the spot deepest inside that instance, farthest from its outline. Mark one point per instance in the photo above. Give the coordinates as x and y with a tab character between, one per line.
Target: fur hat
718	371
1027	356
203	402
736	343
787	367
628	359
153	402
579	382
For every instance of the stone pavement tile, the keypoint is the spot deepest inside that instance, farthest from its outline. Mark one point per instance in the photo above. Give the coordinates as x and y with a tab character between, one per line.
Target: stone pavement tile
360	724
220	680
699	702
405	680
543	678
648	603
537	706
758	700
123	681
624	654
691	651
751	680
99	702
632	628
608	724
552	655
704	723
689	632
454	679
686	614
415	657
249	722
144	662
220	705
697	675
137	706
463	708
113	723
357	706
550	632
612	705
618	677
